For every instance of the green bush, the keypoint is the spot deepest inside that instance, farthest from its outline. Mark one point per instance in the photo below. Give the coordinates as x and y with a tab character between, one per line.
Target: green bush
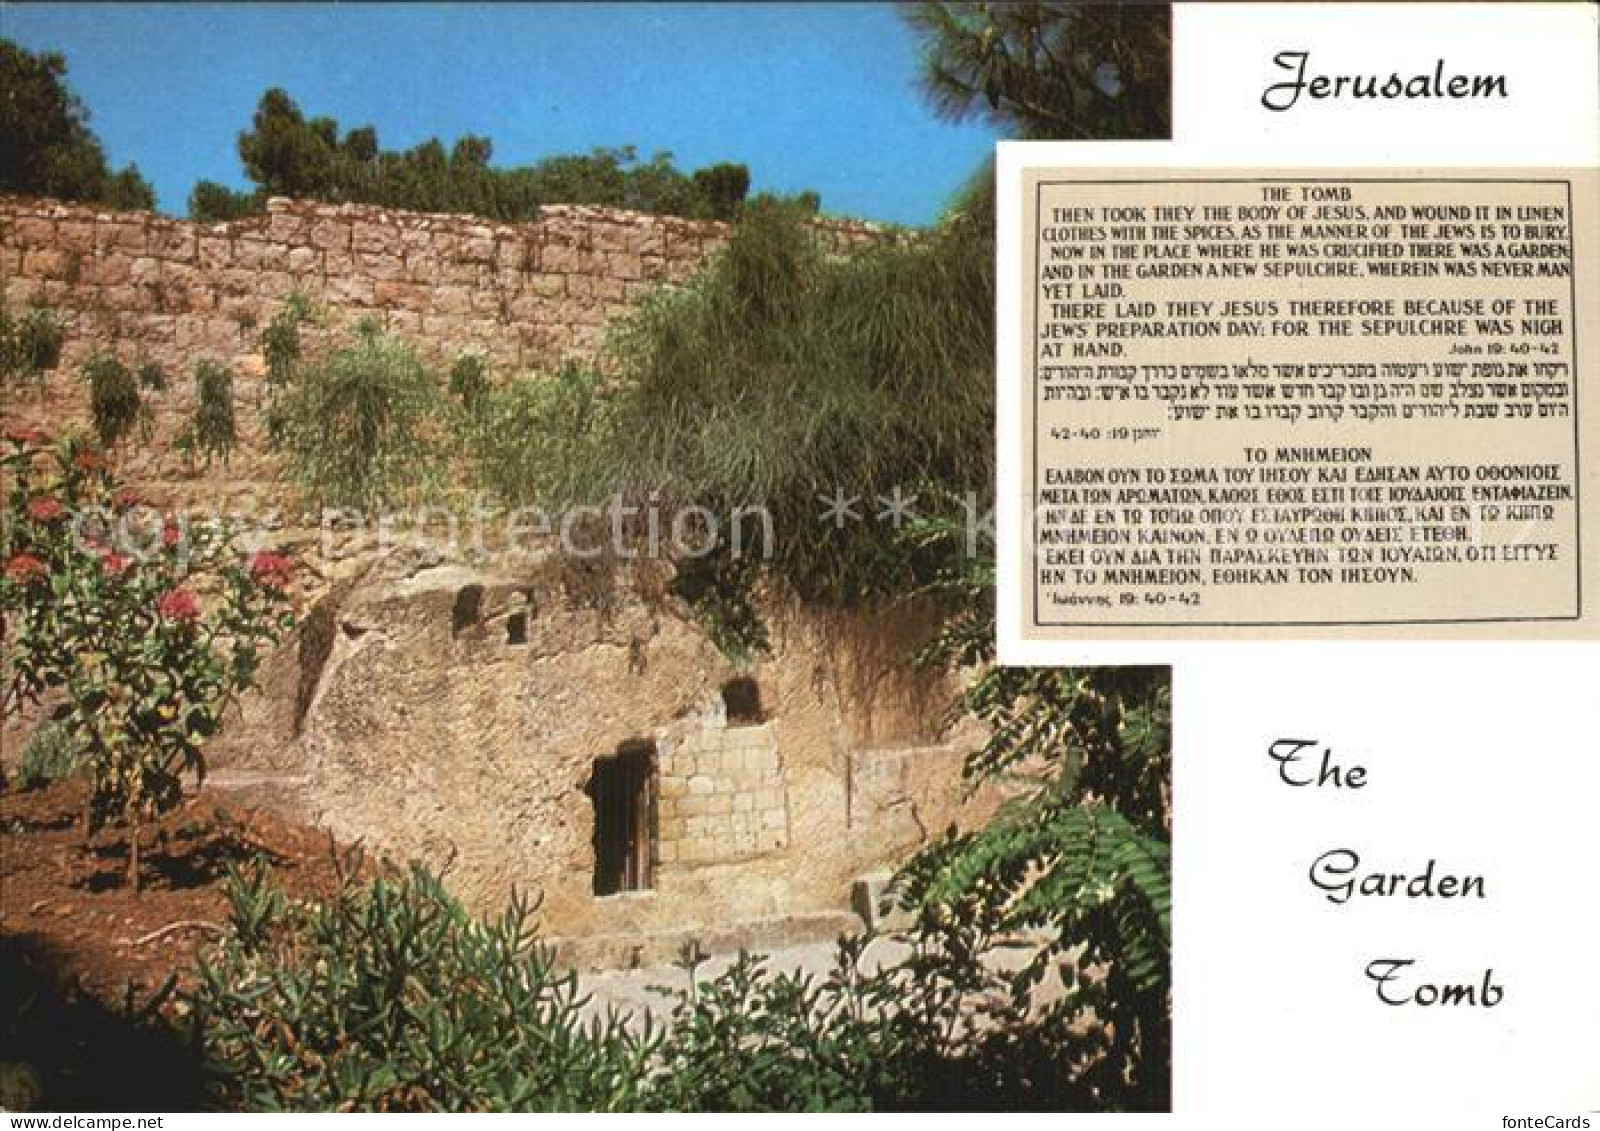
116	401
359	428
533	441
390	997
469	379
939	1027
784	374
30	343
212	432
51	754
280	339
1084	859
152	378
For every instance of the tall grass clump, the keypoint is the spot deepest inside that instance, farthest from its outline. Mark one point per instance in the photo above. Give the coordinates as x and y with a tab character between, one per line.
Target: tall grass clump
536	440
785	374
51	754
359	428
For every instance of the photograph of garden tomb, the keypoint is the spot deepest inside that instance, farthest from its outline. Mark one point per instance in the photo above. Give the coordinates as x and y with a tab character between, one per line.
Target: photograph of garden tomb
469	597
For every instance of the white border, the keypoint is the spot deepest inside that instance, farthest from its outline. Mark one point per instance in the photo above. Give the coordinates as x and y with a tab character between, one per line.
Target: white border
1222	60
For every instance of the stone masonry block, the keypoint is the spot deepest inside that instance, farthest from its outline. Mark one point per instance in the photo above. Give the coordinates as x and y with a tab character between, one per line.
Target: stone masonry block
330	235
32	231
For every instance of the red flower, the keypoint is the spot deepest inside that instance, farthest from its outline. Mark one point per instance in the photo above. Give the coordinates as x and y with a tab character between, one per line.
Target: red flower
271	570
171	534
25	435
179	605
89	461
114	564
23	568
126	498
45	509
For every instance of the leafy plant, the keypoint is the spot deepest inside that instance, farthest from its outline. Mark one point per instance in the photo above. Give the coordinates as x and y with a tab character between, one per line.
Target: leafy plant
51	754
1081	857
280	340
390	997
211	433
149	631
30	344
357	427
784	375
530	442
719	588
469	379
116	403
1049	70
152	378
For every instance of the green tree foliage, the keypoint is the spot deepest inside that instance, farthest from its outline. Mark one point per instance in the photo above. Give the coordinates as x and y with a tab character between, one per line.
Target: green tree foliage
46	146
146	634
211	203
1050	70
1083	856
360	427
724	187
287	154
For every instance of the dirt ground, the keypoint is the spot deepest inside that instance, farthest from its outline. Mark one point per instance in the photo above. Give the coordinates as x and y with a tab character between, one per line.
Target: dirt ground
70	903
82	954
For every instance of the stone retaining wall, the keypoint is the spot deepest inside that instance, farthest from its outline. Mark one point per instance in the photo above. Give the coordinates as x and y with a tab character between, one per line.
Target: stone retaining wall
153	289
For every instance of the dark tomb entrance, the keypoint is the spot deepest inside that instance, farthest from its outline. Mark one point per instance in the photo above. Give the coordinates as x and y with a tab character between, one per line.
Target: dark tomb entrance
623	791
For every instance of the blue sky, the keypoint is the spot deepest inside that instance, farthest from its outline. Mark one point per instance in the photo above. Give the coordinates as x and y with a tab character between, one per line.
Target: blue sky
817	96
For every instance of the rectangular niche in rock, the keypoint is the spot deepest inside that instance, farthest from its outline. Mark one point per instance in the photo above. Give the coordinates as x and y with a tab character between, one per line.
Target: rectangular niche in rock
741	701
622	788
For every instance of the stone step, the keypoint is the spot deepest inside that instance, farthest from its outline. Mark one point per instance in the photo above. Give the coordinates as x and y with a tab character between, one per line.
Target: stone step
638	949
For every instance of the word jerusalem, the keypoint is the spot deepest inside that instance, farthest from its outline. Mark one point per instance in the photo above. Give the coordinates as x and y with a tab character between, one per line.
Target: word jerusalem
1283	95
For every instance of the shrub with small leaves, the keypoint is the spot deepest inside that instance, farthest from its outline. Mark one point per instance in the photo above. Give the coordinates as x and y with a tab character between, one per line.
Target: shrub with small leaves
211	434
280	340
530	442
152	378
924	1020
52	753
469	379
390	997
116	403
30	343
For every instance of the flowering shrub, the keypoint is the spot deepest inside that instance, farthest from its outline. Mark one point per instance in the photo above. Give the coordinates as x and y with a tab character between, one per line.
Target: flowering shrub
150	627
